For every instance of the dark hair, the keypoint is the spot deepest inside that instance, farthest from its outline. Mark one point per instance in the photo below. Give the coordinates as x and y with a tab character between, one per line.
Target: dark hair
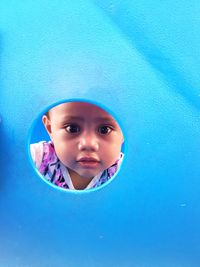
47	114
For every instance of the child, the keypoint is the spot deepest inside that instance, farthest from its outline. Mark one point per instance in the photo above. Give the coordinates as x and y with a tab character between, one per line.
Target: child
85	147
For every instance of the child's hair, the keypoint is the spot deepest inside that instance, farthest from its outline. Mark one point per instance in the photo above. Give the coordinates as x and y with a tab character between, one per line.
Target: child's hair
47	114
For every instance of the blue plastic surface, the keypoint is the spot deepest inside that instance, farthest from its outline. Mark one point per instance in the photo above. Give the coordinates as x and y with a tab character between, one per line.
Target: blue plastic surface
139	59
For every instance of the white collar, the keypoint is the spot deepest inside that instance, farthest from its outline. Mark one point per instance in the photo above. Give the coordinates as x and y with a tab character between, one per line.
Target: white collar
68	179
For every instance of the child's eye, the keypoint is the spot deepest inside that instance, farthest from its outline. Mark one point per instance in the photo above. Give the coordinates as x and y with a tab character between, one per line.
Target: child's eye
73	128
104	129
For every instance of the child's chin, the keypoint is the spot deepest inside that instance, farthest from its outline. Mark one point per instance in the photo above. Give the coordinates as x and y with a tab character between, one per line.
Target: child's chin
88	175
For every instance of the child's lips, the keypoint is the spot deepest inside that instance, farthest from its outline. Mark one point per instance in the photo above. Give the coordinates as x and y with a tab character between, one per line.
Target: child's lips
88	162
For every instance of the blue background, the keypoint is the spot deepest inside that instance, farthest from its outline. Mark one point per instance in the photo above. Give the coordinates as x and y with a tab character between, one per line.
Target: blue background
141	60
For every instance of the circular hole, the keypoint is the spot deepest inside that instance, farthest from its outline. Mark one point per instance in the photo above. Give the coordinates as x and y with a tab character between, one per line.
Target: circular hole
76	145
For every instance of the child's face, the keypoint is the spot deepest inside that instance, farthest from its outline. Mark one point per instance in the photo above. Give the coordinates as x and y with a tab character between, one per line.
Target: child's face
86	138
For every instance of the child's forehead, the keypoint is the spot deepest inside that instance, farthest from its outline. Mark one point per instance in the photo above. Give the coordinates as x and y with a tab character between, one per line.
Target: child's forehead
81	112
78	109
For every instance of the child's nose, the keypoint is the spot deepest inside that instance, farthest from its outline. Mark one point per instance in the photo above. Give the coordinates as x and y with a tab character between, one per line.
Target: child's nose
88	142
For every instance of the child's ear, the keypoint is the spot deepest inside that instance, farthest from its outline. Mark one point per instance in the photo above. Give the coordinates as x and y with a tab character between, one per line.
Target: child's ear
47	124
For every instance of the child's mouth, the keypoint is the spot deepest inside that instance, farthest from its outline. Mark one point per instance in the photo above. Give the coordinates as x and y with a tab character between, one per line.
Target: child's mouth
88	162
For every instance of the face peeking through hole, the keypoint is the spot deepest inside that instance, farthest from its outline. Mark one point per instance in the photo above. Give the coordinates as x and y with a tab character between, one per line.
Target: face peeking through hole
85	147
87	140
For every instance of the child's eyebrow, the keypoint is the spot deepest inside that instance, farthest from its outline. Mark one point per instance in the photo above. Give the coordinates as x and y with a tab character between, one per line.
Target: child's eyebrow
105	120
81	119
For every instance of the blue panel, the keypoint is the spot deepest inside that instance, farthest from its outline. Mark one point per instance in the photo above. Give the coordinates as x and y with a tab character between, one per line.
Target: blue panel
139	60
